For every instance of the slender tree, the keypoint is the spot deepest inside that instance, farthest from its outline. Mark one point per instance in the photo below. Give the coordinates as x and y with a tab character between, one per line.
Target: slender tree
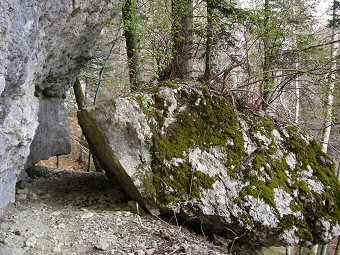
131	23
209	40
182	33
330	90
267	56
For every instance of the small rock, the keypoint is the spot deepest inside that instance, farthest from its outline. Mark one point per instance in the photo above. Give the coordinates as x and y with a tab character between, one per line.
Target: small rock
61	226
32	196
41	234
102	245
140	252
30	242
21	184
17	233
23	191
191	248
133	206
154	244
5	251
87	215
7	240
57	213
150	251
47	195
21	197
56	249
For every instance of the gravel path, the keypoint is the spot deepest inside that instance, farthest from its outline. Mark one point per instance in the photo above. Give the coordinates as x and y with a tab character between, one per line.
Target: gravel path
66	212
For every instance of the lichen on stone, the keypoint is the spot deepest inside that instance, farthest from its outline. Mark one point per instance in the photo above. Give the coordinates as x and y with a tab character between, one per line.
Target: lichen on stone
221	169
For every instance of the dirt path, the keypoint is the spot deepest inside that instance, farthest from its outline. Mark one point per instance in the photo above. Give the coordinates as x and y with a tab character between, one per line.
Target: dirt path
66	212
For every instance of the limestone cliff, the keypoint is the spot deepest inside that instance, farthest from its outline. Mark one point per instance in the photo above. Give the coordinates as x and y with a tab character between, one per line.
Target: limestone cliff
43	46
179	151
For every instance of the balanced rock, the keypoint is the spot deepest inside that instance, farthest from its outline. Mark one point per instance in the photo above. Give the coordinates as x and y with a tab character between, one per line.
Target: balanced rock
176	150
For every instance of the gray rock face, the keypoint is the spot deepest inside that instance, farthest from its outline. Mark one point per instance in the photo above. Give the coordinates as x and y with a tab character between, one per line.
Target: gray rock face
180	151
43	46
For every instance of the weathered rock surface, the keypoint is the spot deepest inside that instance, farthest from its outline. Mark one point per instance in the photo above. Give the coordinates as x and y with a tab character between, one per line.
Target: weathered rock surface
43	45
179	151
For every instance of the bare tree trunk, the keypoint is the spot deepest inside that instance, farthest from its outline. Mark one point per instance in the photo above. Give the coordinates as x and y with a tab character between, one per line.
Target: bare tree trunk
81	154
297	94
182	32
79	94
89	165
337	249
81	103
329	103
330	95
130	11
289	250
324	249
267	59
209	42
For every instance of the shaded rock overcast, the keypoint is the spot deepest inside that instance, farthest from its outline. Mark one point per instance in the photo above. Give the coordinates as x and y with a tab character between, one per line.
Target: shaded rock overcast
179	151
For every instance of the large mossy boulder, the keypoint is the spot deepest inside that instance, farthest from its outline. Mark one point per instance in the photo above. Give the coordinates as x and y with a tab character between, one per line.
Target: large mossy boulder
179	151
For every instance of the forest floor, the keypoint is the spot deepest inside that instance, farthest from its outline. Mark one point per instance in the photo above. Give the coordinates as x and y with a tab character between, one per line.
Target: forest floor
68	212
72	212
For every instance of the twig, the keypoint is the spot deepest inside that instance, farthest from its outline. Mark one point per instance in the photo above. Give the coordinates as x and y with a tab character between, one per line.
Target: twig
235	238
140	219
191	180
176	250
202	230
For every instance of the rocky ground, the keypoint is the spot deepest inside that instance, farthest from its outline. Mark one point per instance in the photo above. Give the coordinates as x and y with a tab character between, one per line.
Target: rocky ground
67	212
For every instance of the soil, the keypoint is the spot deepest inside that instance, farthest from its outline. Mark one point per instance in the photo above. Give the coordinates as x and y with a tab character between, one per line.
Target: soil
69	212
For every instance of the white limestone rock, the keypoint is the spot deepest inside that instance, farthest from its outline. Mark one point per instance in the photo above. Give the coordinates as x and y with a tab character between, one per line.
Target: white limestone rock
224	172
43	46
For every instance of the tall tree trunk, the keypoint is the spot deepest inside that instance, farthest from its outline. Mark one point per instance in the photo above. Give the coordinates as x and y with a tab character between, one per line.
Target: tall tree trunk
182	32
324	249
330	92
297	95
209	41
81	103
289	250
337	247
79	94
267	58
132	42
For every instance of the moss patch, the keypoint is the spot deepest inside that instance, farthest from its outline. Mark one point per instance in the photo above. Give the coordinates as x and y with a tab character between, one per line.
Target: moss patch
207	121
171	84
311	154
181	183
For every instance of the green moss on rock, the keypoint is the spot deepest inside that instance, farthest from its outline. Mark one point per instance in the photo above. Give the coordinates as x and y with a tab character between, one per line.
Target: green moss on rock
181	183
171	84
206	122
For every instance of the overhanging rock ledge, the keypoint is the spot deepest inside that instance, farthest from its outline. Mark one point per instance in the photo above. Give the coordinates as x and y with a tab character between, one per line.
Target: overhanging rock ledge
43	46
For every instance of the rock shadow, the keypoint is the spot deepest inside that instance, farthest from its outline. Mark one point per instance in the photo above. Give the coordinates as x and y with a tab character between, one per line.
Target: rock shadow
71	188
